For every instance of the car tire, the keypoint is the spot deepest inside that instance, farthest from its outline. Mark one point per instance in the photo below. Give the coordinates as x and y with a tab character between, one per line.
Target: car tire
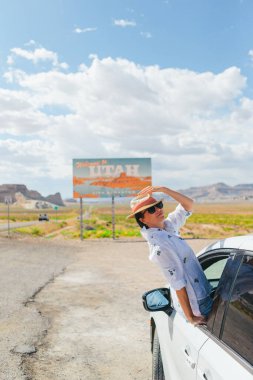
157	364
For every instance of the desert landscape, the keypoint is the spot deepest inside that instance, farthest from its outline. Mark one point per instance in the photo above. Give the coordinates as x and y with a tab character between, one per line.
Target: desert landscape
220	211
209	220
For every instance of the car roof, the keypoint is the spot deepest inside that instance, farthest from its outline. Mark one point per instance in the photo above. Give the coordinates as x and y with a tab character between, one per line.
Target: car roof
237	242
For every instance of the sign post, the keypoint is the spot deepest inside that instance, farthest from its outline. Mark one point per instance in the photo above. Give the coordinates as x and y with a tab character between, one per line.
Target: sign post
113	216
8	201
81	218
56	208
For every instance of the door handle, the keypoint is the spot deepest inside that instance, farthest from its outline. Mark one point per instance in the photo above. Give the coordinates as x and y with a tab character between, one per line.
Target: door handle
202	374
189	359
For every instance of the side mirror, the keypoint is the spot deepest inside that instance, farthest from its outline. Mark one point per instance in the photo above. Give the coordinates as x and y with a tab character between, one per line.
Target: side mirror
157	300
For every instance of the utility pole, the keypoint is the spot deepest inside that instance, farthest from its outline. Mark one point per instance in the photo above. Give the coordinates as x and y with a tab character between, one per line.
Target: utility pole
8	201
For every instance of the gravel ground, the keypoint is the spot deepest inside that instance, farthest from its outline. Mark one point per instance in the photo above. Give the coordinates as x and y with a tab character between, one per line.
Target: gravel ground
72	310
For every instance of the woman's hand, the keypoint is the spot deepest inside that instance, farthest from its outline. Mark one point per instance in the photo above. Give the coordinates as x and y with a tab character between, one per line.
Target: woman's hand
149	190
185	201
201	320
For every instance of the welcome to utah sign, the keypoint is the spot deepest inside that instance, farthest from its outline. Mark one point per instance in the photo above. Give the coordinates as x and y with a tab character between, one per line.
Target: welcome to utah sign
99	178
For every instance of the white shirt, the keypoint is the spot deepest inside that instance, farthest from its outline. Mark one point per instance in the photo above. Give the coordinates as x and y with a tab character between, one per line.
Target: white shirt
176	259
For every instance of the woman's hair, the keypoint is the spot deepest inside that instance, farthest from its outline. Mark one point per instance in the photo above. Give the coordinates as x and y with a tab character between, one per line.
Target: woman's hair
137	218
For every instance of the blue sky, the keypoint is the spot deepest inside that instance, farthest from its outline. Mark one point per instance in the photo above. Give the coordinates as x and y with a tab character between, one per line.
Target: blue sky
196	34
176	75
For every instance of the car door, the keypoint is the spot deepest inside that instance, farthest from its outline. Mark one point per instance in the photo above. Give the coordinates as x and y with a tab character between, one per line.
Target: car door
180	343
227	354
187	340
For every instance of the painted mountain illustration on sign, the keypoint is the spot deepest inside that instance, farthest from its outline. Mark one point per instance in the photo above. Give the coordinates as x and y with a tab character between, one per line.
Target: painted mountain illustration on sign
123	181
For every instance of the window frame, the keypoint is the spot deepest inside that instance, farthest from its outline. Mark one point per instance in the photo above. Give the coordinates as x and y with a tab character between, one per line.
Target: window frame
206	256
216	321
244	253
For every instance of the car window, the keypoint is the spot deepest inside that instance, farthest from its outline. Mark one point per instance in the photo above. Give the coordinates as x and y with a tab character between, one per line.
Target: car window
238	324
214	271
222	293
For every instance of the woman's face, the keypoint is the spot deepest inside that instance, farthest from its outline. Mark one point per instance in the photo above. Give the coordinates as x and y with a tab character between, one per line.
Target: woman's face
153	220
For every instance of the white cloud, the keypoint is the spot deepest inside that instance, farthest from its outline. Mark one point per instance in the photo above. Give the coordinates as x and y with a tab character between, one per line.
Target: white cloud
84	30
40	54
190	123
251	54
36	55
10	60
82	67
124	23
30	43
93	56
146	34
63	65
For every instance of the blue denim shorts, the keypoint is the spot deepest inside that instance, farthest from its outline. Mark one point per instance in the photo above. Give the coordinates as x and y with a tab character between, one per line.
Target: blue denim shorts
205	306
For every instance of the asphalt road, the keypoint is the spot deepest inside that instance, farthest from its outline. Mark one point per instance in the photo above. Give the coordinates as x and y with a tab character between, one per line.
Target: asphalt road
12	225
25	268
72	310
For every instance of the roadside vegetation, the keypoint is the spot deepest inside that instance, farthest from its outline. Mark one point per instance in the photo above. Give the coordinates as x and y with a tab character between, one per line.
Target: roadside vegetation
207	221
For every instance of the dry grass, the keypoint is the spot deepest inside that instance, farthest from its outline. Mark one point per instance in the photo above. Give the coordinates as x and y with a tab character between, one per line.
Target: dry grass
208	221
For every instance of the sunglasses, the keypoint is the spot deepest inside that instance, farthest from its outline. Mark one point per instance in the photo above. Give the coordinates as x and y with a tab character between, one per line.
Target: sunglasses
151	210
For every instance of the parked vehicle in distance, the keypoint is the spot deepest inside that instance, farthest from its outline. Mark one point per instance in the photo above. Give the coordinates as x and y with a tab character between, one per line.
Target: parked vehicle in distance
223	349
43	217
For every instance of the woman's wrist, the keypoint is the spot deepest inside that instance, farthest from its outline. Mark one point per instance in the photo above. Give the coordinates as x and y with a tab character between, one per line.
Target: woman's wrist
190	318
197	320
164	190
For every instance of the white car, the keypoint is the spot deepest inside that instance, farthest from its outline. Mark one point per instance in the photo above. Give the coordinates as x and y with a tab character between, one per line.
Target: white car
223	349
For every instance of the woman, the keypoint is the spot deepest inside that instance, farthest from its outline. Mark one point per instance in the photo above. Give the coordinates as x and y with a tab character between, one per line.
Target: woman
173	255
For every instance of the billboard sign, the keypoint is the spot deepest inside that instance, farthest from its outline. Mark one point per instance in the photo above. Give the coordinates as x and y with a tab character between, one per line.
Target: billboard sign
101	178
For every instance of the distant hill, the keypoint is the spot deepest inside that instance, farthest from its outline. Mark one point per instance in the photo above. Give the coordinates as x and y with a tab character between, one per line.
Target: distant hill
219	192
20	193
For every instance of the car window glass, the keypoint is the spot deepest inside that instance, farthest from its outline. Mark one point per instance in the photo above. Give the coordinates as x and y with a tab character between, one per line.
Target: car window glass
214	271
222	293
238	325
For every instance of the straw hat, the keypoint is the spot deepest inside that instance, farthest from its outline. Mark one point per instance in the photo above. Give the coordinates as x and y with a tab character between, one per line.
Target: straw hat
140	204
